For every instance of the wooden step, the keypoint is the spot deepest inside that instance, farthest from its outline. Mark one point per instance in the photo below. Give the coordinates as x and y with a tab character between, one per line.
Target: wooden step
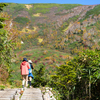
32	94
7	94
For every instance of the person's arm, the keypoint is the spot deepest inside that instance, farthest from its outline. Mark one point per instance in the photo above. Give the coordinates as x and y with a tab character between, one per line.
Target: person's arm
28	65
32	66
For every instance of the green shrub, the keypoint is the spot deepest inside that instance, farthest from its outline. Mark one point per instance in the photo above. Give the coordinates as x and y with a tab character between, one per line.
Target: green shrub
79	75
39	79
21	20
2	87
19	7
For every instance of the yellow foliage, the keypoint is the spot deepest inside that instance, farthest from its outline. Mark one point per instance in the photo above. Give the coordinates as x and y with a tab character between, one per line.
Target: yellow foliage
40	40
23	30
89	34
67	62
19	45
28	6
37	15
26	30
79	30
48	58
78	22
45	52
67	27
52	35
67	36
84	31
34	29
69	81
29	36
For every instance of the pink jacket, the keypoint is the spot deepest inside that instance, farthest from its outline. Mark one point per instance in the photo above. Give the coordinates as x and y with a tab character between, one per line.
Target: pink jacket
24	68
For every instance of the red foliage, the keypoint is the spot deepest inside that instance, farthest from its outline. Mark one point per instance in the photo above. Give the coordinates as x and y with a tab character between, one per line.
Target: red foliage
43	63
35	61
42	56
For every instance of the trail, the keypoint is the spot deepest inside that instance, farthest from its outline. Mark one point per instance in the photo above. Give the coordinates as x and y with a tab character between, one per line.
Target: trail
15	94
27	94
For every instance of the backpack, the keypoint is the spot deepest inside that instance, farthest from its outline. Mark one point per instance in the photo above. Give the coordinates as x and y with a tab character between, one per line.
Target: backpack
30	70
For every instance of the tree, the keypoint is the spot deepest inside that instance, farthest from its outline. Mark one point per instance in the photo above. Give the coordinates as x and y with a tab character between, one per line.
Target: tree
7	46
2	19
79	78
39	79
87	70
64	80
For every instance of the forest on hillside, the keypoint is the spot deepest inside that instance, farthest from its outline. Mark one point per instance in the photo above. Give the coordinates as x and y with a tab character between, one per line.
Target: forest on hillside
62	40
64	27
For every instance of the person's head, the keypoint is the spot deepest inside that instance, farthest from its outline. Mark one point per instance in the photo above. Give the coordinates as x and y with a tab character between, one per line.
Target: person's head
30	61
25	59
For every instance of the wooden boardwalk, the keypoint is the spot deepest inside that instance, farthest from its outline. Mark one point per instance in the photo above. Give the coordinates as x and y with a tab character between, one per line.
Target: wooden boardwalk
7	94
14	94
32	94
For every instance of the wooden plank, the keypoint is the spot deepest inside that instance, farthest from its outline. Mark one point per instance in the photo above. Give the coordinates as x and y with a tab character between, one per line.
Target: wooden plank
32	94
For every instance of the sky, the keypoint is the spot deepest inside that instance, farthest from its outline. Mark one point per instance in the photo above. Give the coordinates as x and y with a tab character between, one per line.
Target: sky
83	2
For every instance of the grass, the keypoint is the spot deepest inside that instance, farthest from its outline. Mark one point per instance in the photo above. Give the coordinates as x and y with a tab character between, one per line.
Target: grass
39	56
45	8
38	8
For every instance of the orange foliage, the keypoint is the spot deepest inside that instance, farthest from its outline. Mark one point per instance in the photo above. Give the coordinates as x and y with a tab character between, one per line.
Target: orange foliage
50	62
3	74
89	34
48	58
45	52
78	22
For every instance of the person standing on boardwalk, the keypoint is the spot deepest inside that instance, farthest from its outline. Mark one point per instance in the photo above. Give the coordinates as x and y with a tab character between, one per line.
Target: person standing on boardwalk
30	75
24	72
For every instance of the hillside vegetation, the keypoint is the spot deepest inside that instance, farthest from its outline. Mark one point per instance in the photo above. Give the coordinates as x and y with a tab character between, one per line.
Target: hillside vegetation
64	27
63	41
50	59
67	28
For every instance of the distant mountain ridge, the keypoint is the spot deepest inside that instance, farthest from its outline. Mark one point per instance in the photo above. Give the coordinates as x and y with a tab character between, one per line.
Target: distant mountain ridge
65	27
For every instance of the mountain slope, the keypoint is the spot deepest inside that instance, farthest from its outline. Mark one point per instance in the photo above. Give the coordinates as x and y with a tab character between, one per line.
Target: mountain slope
65	27
51	34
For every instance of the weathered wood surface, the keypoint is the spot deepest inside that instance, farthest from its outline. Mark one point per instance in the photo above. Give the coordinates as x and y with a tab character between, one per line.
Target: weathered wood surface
28	94
32	94
7	94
